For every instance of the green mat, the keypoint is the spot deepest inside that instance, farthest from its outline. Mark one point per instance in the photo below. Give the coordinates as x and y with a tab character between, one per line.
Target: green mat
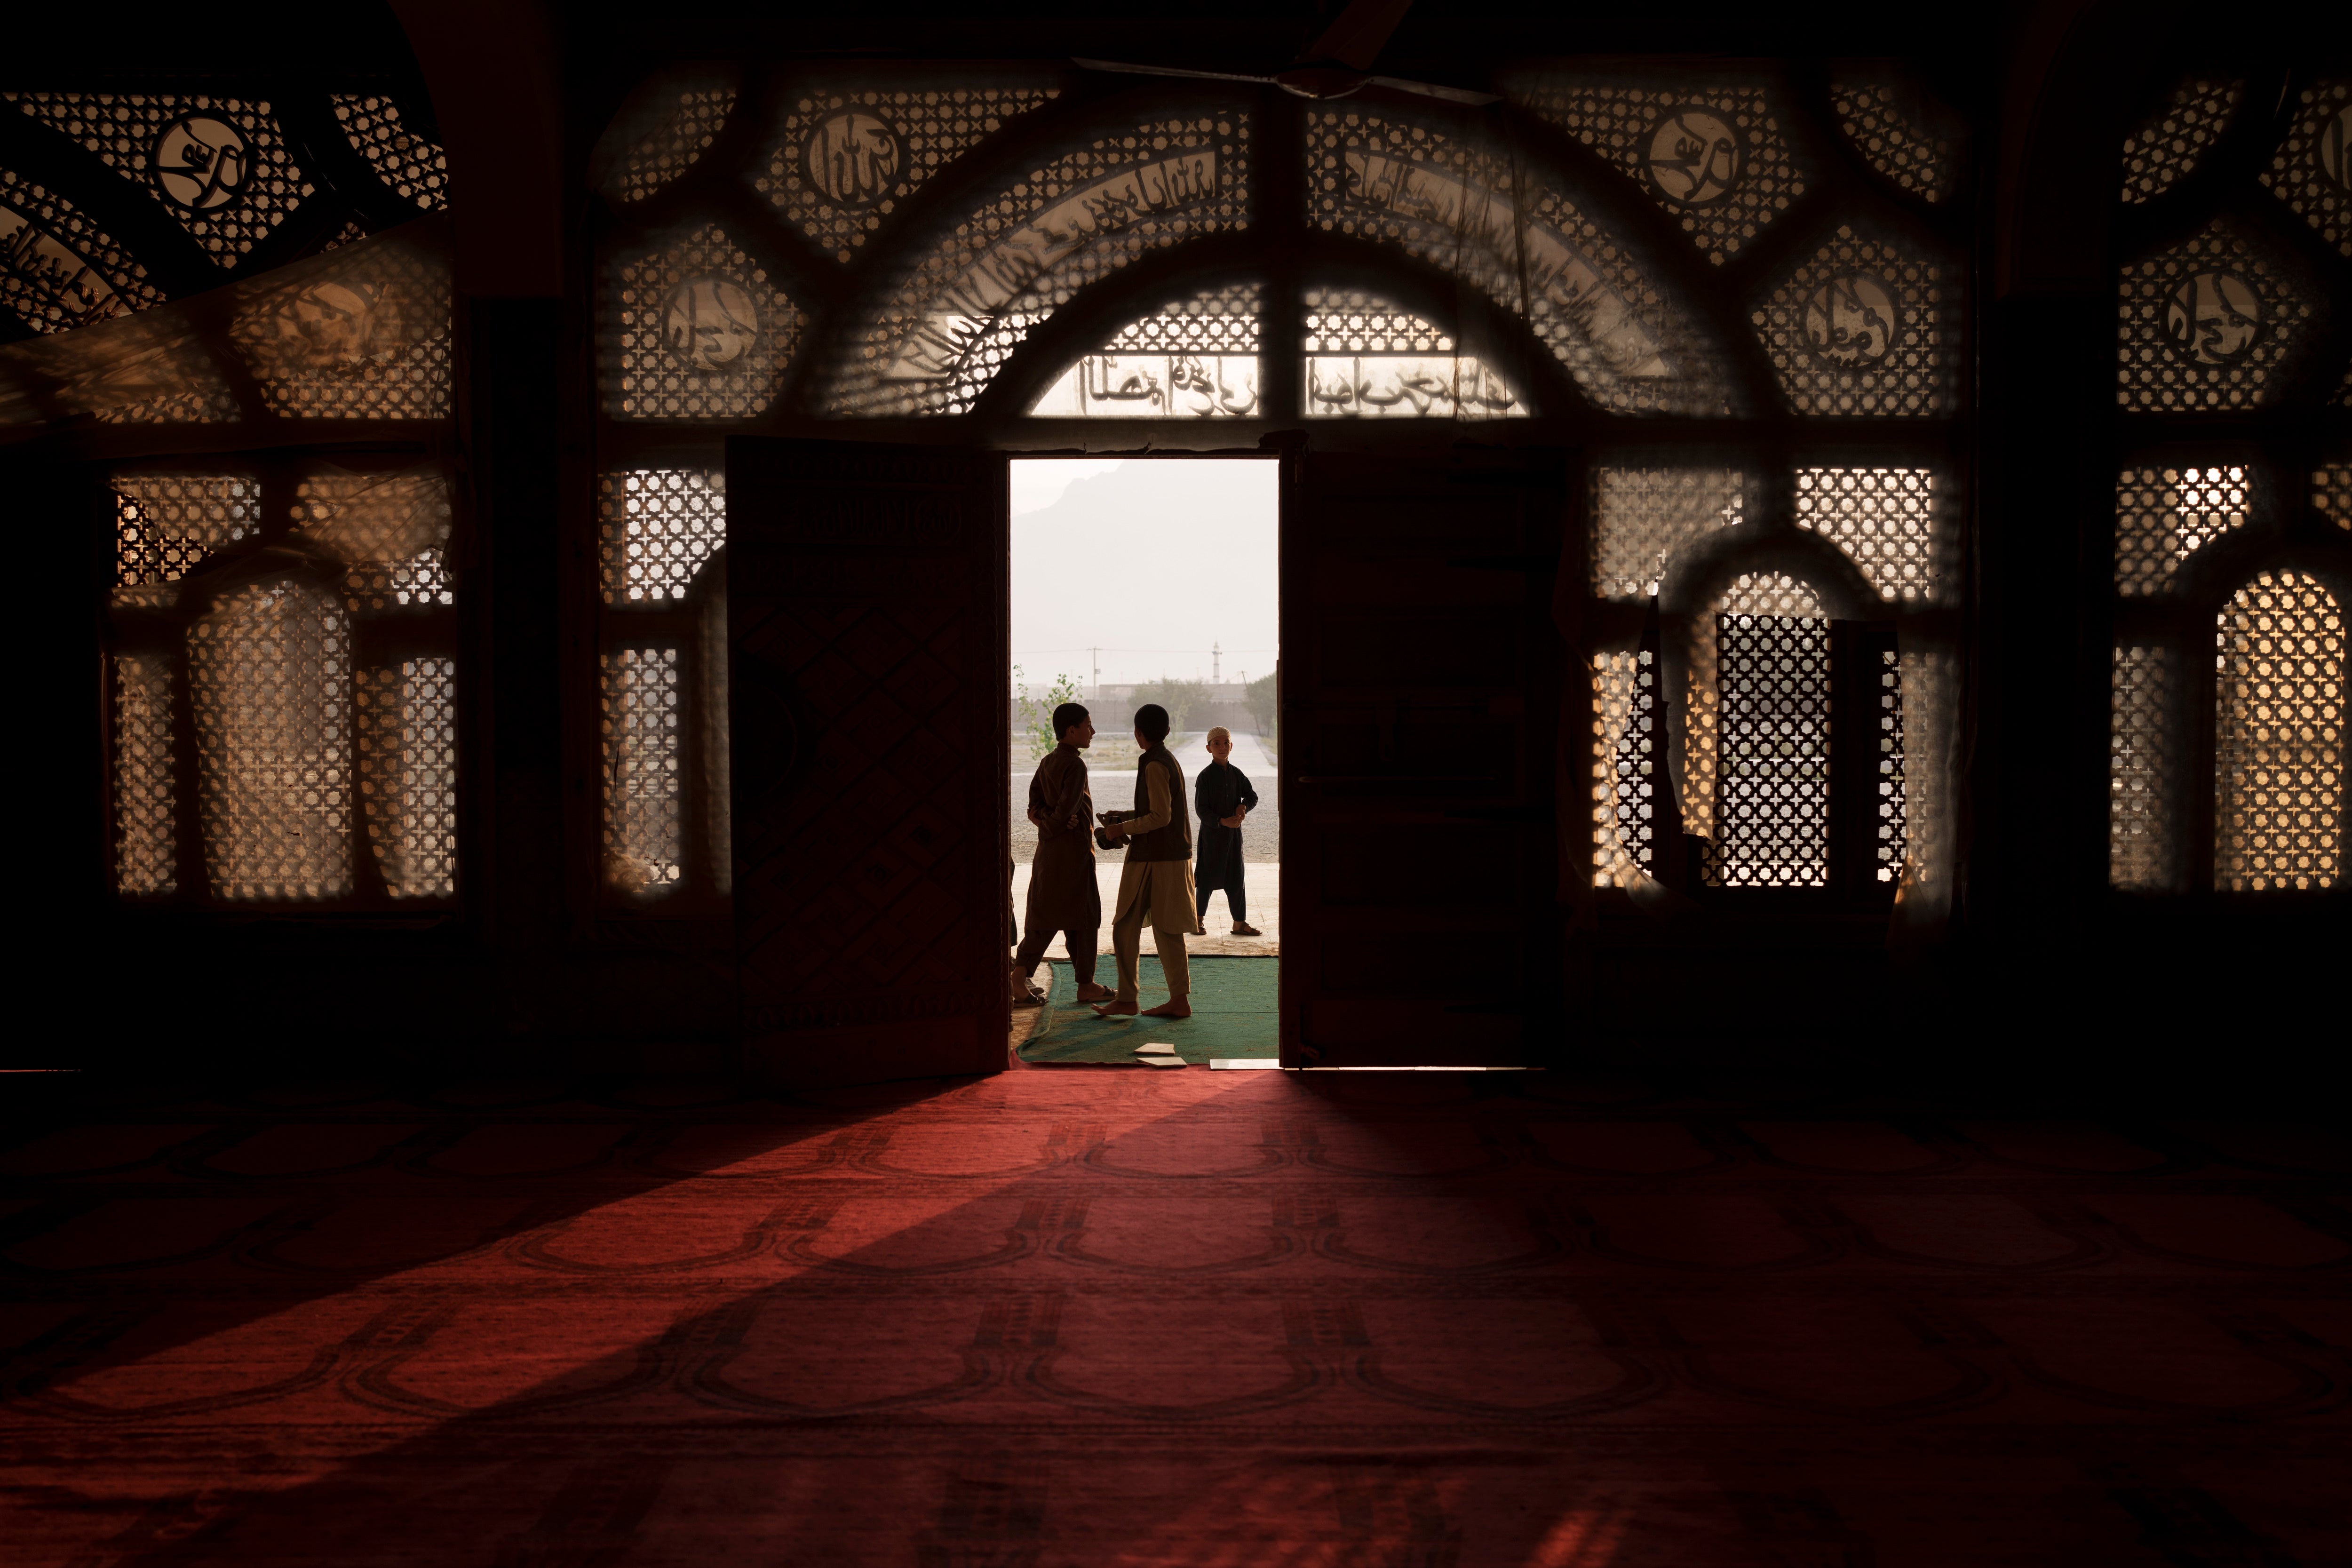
1232	1016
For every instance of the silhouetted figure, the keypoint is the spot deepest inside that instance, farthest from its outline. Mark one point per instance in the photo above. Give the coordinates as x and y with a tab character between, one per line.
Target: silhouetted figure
1156	883
1063	894
1224	798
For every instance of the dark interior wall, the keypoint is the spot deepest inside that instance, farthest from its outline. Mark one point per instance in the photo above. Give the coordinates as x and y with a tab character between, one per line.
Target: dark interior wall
2038	950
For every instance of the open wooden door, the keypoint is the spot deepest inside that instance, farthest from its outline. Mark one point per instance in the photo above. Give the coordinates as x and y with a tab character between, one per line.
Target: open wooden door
866	600
1419	689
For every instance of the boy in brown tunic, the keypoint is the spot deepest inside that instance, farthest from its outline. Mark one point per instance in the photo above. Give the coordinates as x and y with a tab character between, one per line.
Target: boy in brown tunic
1063	895
1156	884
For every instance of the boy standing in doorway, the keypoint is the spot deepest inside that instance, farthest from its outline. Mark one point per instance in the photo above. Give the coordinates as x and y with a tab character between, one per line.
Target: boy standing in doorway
1222	797
1156	884
1063	895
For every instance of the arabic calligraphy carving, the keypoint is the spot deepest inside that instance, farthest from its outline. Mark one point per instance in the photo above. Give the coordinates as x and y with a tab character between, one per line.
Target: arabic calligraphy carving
1708	150
2214	317
200	163
710	324
852	157
929	130
1155	387
1864	327
219	165
64	289
1000	275
1368	359
693	331
1696	157
1552	266
1852	320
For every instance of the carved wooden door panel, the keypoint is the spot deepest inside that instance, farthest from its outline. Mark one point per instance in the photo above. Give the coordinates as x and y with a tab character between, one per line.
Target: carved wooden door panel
1419	689
866	598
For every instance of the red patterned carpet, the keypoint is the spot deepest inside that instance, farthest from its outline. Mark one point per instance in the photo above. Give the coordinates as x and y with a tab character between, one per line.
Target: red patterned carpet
1083	1317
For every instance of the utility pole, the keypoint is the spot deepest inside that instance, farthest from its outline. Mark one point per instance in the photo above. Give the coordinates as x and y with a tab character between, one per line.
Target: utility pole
1098	658
1217	664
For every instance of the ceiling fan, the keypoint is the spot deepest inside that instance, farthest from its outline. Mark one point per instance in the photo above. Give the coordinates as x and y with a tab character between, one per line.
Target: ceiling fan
1334	66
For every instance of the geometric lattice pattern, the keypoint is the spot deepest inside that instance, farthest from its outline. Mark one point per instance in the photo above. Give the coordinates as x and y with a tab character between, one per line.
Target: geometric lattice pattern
2204	325
1644	518
412	168
1893	838
644	820
391	530
61	270
219	165
408	774
1769	594
2144	770
666	137
1351	322
1477	216
146	778
2164	515
1773	820
270	674
165	524
1710	153
2278	722
2312	170
959	310
1864	328
695	331
2331	493
846	161
1367	357
1192	357
1624	758
657	528
1889	125
1888	520
2162	151
1214	321
371	342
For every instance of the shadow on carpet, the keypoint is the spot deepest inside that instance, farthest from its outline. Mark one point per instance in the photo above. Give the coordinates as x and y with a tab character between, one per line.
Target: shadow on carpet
1232	1016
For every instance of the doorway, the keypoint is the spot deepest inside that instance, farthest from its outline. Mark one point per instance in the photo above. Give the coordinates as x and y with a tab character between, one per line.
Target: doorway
1137	581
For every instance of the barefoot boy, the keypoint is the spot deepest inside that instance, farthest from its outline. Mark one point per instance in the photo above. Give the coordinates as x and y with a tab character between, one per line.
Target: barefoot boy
1156	884
1222	797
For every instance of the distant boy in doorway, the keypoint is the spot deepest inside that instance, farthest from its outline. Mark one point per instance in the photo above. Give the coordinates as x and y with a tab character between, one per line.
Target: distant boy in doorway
1222	797
1063	894
1156	884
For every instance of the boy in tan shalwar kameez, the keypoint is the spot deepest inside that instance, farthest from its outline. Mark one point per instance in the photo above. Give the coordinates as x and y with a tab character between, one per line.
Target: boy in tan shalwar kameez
1155	886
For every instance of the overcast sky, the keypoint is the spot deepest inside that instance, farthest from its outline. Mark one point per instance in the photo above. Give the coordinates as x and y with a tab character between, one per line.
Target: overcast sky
1152	559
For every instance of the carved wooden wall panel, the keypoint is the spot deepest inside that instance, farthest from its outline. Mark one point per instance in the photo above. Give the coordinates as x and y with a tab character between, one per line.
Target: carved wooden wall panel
867	605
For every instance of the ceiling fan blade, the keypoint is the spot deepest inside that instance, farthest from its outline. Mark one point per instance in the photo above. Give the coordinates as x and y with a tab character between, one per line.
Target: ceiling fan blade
1125	69
1360	31
1432	90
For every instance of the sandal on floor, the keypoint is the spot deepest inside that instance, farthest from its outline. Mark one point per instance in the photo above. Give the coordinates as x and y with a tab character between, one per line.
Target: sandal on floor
1034	998
1242	928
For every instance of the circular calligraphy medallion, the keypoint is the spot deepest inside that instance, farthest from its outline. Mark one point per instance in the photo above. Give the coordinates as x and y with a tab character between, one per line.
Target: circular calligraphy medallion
200	163
327	326
710	324
2213	318
1694	156
1851	320
852	158
2335	149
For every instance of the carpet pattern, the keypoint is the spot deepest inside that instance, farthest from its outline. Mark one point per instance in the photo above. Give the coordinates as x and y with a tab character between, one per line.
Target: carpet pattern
1234	1003
1083	1318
